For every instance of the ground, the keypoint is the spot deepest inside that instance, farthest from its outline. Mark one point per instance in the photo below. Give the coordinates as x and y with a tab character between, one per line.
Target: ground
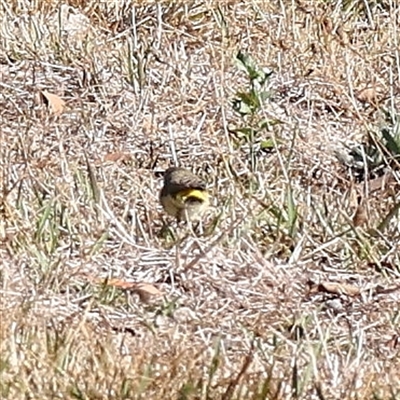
289	287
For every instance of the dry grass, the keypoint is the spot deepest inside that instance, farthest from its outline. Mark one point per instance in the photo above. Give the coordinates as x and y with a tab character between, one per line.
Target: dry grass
287	295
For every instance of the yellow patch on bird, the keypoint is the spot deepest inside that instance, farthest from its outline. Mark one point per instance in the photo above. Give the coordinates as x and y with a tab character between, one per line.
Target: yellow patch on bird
193	194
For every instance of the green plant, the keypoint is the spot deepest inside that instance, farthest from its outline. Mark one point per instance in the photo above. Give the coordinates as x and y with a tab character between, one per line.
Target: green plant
248	104
379	151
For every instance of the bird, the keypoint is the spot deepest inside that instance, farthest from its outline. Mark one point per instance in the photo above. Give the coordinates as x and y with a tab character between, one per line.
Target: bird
184	194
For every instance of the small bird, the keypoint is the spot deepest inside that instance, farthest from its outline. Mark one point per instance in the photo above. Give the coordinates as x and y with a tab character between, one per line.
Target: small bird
184	194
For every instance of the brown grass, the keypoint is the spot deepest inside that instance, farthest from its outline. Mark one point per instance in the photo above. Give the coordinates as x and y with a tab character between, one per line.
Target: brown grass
287	295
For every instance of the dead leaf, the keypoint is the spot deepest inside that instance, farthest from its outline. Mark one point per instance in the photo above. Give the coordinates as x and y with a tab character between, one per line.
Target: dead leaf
120	283
55	103
382	183
339	288
146	291
387	290
333	287
327	24
343	36
373	94
367	95
113	157
360	217
394	342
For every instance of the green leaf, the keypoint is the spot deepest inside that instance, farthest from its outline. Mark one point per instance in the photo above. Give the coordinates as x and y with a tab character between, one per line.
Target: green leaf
267	144
391	143
264	95
268	123
240	107
247	64
246	102
245	131
250	98
258	76
292	212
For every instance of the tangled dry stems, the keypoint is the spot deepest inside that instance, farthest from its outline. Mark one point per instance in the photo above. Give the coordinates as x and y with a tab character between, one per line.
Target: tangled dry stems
246	311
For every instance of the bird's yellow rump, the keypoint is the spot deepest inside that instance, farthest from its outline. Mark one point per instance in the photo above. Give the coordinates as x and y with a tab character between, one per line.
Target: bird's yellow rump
184	194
